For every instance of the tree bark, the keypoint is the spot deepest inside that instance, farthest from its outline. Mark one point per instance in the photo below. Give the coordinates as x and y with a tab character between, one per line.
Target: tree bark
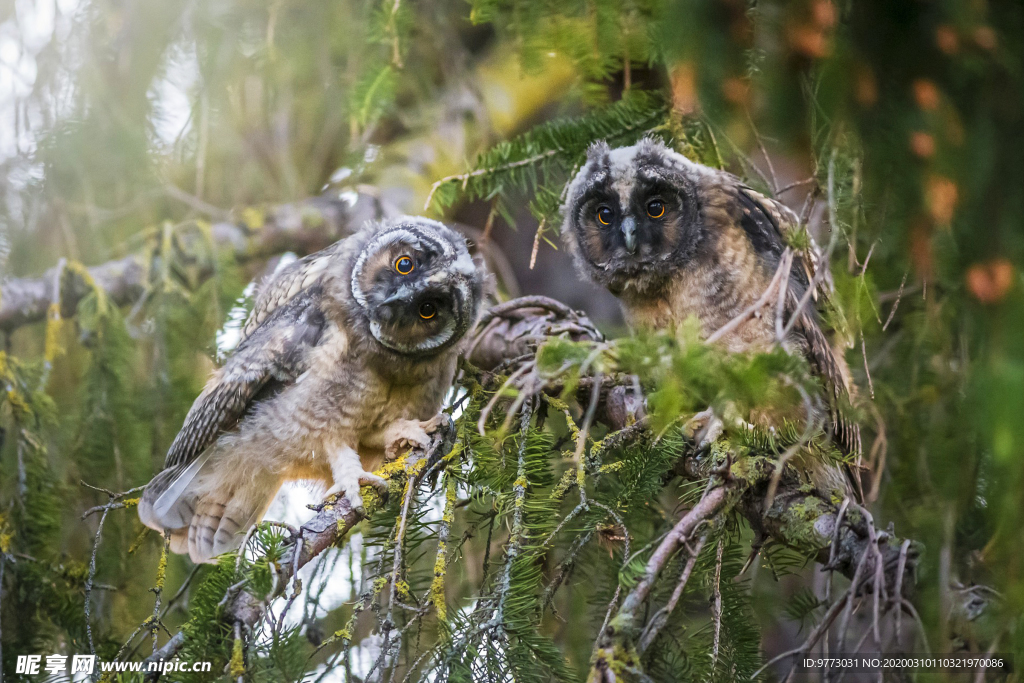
302	227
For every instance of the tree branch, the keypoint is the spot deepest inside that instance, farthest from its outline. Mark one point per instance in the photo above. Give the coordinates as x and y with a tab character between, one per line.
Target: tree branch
303	227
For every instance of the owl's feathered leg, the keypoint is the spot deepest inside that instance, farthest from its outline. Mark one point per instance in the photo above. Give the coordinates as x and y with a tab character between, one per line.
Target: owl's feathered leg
223	514
348	474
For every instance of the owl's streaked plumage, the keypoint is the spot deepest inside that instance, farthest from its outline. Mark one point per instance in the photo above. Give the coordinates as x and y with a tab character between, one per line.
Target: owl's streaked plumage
347	353
672	238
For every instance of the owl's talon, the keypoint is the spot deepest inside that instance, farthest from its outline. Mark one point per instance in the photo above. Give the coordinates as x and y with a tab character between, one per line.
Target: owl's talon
705	427
350	485
377	482
406	435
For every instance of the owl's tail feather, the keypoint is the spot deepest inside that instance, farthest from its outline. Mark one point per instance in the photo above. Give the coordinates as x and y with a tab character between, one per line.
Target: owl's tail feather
223	516
179	541
168	503
207	514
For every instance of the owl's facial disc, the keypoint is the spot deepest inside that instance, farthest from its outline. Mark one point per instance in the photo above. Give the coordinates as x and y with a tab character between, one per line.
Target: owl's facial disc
416	289
629	233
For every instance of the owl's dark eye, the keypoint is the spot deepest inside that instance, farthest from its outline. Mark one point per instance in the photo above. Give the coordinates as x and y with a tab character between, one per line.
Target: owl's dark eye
427	310
655	208
403	265
604	215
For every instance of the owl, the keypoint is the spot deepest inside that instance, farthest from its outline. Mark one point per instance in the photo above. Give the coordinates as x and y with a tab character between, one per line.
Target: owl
345	358
672	238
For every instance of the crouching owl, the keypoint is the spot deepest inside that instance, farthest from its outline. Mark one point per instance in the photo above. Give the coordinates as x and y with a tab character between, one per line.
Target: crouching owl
672	238
347	354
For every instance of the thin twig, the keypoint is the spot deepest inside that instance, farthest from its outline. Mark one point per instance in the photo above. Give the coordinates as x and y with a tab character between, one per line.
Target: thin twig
900	568
464	177
659	620
899	295
764	153
819	273
851	592
787	188
780	304
812	637
536	243
716	605
784	263
497	396
714	499
89	580
867	371
159	588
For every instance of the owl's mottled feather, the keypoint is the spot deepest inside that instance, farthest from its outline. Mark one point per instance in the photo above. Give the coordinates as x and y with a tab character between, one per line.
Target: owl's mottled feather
672	238
286	283
274	354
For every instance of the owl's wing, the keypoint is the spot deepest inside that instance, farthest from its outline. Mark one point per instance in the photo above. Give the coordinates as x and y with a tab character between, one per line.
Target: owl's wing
768	223
273	356
773	224
287	283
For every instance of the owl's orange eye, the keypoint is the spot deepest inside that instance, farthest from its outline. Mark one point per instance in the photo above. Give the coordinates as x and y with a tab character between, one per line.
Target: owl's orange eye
655	208
604	215
403	265
427	310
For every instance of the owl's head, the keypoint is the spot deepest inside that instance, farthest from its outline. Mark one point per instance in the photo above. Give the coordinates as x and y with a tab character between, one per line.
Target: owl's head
416	286
632	214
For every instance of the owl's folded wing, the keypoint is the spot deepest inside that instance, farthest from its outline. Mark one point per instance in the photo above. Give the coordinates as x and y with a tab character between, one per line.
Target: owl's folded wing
764	215
287	283
769	224
272	357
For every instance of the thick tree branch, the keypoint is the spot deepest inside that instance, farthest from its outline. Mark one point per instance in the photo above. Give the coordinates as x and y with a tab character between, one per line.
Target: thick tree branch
302	227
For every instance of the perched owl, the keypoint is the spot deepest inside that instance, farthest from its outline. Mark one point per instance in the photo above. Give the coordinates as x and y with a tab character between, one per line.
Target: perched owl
347	354
672	238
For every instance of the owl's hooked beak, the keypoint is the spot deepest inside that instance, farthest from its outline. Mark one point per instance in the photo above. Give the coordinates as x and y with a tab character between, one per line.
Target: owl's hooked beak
395	298
628	228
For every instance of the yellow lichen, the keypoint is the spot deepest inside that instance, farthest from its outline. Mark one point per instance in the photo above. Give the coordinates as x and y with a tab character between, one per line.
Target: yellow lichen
567	480
237	665
612	467
161	569
254	218
54	346
137	543
437	596
6	535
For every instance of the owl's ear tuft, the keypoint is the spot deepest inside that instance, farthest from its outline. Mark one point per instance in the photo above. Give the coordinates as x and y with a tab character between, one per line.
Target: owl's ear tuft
652	149
598	151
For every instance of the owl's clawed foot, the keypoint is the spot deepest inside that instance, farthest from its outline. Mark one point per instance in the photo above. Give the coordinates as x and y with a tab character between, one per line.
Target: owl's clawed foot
406	435
349	485
704	428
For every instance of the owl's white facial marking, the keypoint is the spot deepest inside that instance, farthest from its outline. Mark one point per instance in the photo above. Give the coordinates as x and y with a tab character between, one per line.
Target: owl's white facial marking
631	214
417	286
